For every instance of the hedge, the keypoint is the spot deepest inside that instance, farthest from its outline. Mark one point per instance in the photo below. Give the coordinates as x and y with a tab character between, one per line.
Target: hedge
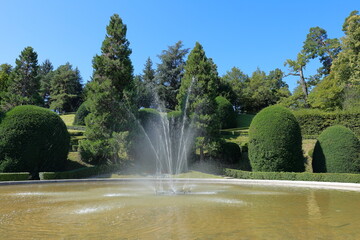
275	141
81	114
313	121
304	176
225	112
14	176
33	139
80	173
337	150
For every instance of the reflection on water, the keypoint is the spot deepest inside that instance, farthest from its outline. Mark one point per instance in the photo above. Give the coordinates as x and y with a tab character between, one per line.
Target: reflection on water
131	210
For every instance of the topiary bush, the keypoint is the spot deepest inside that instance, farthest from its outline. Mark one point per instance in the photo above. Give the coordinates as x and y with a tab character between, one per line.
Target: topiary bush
337	150
81	113
33	139
231	153
225	113
275	142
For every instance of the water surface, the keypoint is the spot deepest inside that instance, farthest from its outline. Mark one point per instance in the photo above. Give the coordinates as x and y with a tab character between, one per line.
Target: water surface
132	210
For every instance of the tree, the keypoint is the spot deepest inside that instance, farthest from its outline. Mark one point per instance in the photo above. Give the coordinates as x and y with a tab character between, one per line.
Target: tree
109	96
145	85
45	74
170	72
263	90
25	85
66	89
5	72
197	96
345	74
232	87
316	45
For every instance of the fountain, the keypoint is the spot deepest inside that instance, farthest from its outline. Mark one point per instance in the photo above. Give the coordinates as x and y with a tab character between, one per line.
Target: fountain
181	208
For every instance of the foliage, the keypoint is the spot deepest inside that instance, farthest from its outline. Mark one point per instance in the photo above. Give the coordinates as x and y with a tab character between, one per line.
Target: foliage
345	73
230	153
46	70
337	151
5	72
197	96
314	121
14	176
225	112
305	176
25	85
81	114
169	74
84	172
33	139
66	89
109	96
145	85
275	141
147	115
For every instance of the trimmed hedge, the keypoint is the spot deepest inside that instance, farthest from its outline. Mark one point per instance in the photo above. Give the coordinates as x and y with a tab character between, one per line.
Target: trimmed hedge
225	113
304	176
275	143
148	116
85	172
313	121
14	176
33	139
230	153
81	114
337	151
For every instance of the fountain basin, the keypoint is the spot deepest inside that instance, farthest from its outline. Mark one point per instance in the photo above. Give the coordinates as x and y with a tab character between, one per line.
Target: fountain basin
208	209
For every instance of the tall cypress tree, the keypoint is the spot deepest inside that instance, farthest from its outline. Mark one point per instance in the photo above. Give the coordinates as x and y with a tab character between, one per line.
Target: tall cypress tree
199	87
108	95
45	75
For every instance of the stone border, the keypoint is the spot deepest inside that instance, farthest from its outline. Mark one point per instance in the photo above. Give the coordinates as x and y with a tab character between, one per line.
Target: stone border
280	183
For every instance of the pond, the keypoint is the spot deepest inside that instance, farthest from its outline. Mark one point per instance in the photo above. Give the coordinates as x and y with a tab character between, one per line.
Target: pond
203	210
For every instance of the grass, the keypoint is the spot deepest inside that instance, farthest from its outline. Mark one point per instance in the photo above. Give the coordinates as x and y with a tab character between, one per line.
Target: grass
244	120
68	119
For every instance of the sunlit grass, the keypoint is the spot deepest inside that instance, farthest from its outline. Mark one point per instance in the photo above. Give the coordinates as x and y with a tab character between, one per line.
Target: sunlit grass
68	119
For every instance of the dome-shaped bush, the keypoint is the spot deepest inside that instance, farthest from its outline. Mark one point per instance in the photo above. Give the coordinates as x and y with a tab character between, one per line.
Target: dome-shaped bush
337	150
225	113
275	141
33	139
81	113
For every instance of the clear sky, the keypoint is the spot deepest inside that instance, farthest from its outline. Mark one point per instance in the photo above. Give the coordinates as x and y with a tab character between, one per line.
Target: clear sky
245	34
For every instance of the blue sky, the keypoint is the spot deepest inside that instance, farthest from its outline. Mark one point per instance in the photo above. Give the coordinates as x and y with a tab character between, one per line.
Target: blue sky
245	34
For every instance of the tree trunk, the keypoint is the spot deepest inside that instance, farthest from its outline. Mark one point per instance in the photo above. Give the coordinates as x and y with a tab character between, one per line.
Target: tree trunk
201	153
303	85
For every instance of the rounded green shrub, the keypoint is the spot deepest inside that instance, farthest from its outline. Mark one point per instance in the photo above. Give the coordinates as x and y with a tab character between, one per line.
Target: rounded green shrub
275	141
33	139
81	113
231	153
337	150
225	113
148	116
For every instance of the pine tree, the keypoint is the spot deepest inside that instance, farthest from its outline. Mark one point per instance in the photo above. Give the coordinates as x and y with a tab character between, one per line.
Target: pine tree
199	87
109	95
45	74
66	89
145	85
170	72
25	85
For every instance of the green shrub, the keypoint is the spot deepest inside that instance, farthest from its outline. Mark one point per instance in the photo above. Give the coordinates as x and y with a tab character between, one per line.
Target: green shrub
313	121
81	113
149	116
85	172
14	176
33	139
225	113
275	141
337	151
231	153
304	176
